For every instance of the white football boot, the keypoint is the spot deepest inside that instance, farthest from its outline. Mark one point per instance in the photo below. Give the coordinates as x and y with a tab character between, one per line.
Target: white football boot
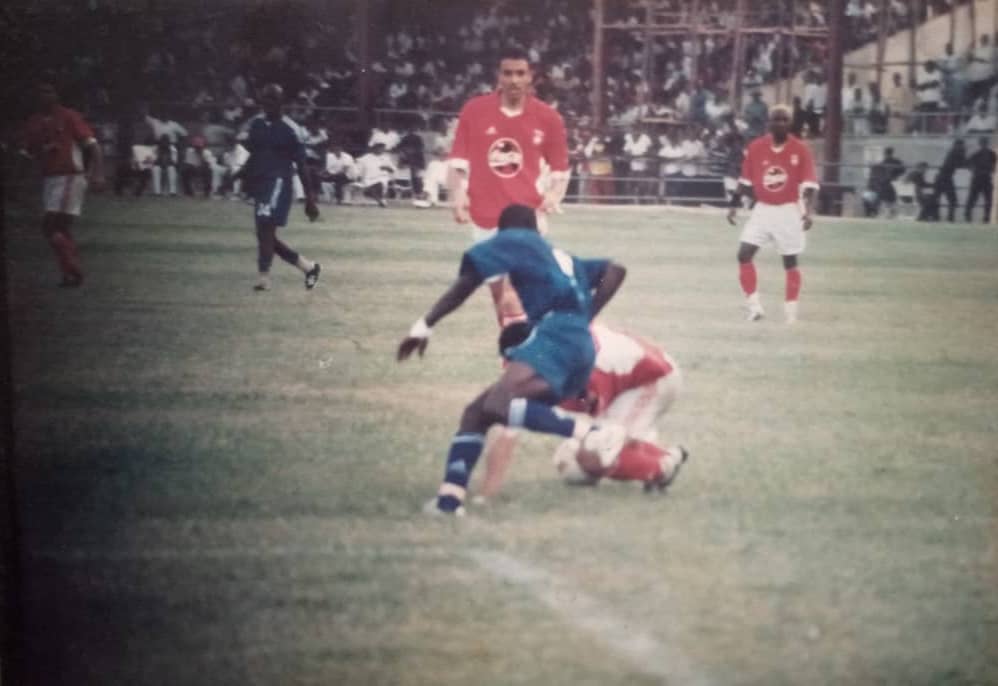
675	457
753	308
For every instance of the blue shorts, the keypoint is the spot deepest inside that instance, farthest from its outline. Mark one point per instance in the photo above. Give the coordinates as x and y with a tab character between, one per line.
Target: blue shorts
272	201
560	349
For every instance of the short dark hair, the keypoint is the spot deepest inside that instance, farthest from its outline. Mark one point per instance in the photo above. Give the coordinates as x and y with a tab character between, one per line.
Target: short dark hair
513	52
518	217
513	335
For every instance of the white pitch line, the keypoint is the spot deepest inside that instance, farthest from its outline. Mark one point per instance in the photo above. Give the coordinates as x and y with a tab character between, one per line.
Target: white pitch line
646	653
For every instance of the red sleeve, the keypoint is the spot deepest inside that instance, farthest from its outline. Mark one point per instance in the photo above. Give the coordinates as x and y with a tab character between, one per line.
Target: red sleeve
746	177
556	144
78	127
459	150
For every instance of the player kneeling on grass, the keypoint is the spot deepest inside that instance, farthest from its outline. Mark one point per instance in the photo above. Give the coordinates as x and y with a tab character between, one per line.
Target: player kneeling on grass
633	384
560	295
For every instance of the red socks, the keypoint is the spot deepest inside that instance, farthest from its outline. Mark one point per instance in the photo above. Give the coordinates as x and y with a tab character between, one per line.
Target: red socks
747	278
637	461
793	284
65	251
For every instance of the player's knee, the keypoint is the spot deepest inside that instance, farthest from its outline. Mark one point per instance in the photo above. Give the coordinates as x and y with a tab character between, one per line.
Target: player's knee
745	254
567	465
789	261
495	405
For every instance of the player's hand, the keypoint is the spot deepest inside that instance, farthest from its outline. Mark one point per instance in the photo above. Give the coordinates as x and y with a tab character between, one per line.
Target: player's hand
551	205
461	210
311	209
806	220
409	345
732	213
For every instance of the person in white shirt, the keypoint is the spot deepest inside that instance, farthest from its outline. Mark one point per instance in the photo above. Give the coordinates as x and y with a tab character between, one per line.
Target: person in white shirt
815	94
233	160
199	164
672	154
167	159
981	122
637	145
386	137
434	180
980	69
375	170
928	89
694	154
166	127
339	171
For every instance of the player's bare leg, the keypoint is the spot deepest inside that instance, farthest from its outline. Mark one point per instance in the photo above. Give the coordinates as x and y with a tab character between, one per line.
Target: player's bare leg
793	284
266	236
514	400
748	280
56	229
499	450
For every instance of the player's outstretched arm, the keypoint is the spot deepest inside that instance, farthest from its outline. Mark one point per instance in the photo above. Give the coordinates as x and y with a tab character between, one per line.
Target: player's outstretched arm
311	208
607	286
453	297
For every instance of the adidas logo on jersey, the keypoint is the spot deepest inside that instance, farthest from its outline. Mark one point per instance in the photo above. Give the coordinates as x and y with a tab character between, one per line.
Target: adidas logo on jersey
491	131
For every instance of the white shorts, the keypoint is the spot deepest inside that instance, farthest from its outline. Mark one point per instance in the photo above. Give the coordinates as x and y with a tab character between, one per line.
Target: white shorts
639	409
64	194
780	224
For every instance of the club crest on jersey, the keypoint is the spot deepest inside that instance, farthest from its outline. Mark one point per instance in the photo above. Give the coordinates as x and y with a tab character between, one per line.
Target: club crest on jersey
774	178
505	157
491	131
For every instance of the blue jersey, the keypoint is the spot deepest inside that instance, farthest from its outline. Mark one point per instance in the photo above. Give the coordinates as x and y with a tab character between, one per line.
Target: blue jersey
274	148
546	279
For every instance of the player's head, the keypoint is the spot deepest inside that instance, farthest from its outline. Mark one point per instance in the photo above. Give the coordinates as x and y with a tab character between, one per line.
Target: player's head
272	100
888	153
518	217
515	75
984	142
513	335
779	121
47	95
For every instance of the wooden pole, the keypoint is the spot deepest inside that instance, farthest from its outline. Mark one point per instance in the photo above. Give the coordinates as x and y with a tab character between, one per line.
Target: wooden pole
598	78
739	59
881	44
364	65
913	41
833	102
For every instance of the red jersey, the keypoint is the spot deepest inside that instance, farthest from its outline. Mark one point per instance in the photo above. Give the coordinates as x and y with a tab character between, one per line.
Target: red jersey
502	154
623	362
777	177
56	139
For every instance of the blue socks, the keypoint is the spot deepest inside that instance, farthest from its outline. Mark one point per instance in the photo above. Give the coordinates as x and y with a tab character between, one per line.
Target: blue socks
465	449
537	416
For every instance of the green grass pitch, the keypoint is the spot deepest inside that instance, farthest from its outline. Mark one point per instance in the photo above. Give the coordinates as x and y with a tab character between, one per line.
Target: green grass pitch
222	487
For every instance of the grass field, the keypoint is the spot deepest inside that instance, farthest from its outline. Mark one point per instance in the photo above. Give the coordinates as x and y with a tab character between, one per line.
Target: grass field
222	487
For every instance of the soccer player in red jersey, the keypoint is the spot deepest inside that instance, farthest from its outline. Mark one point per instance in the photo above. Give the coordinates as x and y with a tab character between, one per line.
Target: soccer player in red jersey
500	142
495	161
633	384
778	170
67	150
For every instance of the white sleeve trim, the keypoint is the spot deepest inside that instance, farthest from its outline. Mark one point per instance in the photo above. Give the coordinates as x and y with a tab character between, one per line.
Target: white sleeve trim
745	182
560	175
459	164
809	184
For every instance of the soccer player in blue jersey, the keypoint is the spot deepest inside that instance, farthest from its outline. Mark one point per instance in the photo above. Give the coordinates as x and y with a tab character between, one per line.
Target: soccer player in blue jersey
560	295
276	146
